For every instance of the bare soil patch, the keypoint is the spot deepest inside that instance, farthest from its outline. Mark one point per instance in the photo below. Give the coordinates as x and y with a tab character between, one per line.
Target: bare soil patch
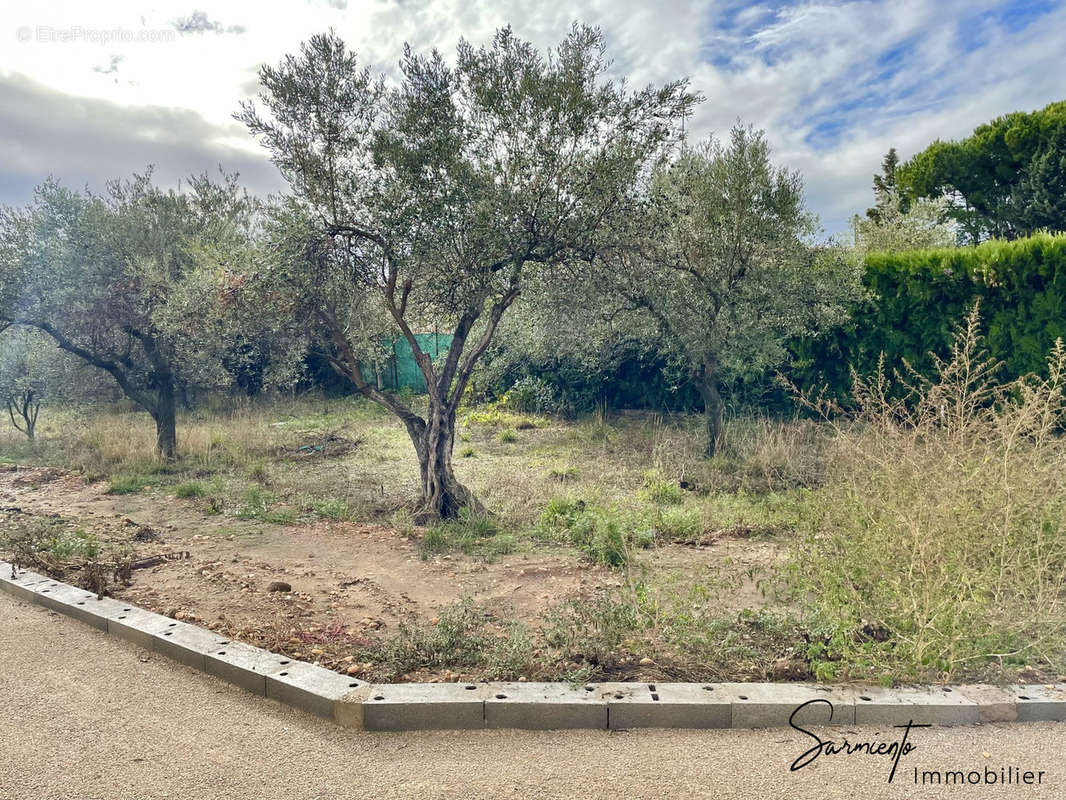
346	581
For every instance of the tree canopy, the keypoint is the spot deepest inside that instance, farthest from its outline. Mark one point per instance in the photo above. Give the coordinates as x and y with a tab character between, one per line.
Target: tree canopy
925	223
127	281
429	203
1007	179
727	268
886	187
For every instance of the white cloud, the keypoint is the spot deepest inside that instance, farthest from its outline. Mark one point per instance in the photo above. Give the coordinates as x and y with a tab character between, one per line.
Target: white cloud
835	84
199	22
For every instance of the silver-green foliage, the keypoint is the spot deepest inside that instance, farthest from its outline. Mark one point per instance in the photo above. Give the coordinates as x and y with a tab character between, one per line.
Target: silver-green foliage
728	267
138	282
432	201
923	225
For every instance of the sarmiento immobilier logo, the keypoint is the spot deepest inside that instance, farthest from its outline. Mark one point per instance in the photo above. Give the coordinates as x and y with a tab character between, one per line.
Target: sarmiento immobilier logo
897	749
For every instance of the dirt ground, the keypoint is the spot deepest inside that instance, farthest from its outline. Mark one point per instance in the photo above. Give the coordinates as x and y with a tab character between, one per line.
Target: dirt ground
346	580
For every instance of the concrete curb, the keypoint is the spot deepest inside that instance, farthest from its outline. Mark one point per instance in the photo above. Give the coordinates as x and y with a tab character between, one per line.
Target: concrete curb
420	706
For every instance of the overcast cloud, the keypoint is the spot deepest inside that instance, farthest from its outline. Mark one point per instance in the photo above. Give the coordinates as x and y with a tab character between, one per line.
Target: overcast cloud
94	90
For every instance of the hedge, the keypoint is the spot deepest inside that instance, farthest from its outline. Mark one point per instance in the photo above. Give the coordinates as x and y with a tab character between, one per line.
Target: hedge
918	297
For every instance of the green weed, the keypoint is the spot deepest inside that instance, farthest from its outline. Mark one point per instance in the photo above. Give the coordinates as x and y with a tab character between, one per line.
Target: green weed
657	489
190	489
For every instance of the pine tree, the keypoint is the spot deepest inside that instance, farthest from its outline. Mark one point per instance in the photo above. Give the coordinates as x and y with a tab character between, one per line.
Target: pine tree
884	185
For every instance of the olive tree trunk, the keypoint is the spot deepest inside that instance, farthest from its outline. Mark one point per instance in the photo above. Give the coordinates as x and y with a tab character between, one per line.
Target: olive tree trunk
442	494
160	401
713	409
433	437
164	412
27	405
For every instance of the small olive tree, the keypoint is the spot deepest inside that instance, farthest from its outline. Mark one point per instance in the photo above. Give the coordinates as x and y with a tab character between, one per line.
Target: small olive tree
121	281
726	266
924	224
21	390
429	203
29	371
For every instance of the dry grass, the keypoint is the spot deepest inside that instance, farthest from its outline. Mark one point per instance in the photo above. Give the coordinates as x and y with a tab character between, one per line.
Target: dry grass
927	536
939	545
264	460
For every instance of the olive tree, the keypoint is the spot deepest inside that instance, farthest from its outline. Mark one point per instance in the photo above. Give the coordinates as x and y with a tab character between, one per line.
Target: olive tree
897	222
727	267
115	280
428	202
924	224
23	378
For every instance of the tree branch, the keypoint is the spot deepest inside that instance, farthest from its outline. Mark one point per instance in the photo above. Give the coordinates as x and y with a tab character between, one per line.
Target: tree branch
467	368
350	366
455	349
111	367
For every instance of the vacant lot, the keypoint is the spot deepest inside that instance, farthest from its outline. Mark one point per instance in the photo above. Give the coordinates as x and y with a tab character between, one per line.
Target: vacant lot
881	549
315	495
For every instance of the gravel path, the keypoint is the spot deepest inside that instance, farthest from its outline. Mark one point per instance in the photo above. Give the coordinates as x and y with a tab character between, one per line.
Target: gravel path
86	716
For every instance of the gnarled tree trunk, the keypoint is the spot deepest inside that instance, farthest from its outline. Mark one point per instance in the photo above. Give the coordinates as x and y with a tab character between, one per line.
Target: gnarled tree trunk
433	437
165	415
442	494
713	408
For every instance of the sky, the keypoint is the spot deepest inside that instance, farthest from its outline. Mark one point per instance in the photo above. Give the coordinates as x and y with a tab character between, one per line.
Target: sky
95	90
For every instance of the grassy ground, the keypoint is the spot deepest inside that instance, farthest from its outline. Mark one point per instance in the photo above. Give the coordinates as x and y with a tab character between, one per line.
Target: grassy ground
347	459
901	547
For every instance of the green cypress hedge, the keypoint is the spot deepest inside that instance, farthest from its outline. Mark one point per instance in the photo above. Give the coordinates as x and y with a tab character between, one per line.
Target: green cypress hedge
918	297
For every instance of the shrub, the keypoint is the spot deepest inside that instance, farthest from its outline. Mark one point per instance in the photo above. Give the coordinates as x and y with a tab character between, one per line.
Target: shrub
679	524
917	296
764	455
758	514
73	544
190	489
457	640
599	533
560	513
593	629
657	489
70	554
434	540
531	395
644	539
495	415
939	549
472	534
510	654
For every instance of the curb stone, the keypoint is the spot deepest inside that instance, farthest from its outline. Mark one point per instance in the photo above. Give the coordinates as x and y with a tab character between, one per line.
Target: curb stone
933	706
424	706
22	586
1040	703
359	705
543	706
771	705
243	665
185	643
993	703
317	690
666	705
137	626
